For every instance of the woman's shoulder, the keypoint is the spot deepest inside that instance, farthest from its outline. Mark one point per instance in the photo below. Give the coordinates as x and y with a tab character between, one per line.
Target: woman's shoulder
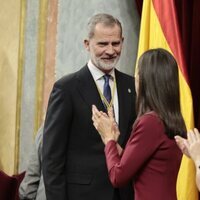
150	116
149	120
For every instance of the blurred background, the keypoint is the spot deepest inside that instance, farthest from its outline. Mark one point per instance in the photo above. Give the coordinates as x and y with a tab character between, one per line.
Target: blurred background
40	41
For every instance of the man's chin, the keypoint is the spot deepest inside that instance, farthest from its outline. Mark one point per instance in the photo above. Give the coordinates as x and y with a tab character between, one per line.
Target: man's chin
108	65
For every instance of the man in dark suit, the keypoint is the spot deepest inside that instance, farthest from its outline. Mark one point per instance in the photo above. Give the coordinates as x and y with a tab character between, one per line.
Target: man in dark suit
74	165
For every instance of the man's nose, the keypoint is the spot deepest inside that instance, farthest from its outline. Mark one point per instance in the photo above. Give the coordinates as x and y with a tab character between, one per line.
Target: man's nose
110	50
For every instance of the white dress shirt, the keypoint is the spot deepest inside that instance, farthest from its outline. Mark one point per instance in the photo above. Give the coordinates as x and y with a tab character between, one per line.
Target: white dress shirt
97	75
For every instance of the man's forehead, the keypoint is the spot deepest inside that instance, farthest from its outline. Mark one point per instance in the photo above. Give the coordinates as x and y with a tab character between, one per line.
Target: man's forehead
102	26
107	32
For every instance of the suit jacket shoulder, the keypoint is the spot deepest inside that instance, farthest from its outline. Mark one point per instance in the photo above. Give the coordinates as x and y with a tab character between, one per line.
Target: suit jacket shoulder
71	79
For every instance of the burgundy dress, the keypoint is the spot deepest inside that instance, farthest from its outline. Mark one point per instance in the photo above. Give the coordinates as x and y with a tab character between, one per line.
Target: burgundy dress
150	159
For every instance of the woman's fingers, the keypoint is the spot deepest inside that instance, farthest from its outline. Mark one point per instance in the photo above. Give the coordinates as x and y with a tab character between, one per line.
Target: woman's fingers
179	141
190	137
96	114
182	144
95	111
197	135
95	125
111	113
193	136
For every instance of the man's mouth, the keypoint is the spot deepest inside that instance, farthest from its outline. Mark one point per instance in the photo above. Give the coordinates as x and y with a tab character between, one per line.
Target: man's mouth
109	59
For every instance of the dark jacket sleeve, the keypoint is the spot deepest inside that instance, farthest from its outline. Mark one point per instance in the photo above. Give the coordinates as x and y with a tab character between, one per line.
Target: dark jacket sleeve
56	129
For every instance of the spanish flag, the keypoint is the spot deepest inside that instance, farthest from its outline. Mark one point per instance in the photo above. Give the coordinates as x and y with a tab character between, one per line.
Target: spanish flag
159	29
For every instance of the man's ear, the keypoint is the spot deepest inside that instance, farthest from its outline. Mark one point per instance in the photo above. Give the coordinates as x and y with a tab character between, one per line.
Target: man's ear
122	40
86	44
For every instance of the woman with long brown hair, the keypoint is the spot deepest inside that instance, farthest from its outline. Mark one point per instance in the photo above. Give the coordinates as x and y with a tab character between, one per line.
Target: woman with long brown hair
151	157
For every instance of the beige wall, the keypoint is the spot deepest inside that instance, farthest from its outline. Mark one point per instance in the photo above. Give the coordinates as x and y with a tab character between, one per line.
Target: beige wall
23	48
9	50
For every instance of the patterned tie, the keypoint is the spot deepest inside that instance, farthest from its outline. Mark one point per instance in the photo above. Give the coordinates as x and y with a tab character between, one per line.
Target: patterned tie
106	88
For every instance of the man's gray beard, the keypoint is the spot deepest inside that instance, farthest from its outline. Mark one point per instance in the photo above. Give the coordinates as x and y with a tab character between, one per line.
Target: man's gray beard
106	66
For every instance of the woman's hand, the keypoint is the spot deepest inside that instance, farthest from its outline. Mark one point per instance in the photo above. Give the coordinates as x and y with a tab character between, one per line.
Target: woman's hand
183	145
194	150
191	146
105	124
194	144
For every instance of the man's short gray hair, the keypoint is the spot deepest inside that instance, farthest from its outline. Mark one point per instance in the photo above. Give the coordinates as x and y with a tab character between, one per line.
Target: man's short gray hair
105	19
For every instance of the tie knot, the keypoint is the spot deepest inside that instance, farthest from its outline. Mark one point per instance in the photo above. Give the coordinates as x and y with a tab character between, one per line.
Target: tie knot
106	77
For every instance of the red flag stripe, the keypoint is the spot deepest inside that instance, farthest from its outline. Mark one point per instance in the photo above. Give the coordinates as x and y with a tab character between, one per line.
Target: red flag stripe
166	14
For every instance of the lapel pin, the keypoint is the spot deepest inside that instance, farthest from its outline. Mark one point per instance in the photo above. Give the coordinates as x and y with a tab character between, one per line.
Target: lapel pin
129	90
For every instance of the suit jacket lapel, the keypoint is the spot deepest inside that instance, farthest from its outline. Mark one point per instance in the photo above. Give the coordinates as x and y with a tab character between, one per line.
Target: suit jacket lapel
88	88
124	107
88	91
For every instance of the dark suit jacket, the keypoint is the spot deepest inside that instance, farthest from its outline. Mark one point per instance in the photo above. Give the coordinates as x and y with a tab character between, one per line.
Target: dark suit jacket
74	164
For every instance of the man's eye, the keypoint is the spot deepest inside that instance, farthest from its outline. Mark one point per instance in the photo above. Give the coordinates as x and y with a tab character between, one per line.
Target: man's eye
102	44
116	44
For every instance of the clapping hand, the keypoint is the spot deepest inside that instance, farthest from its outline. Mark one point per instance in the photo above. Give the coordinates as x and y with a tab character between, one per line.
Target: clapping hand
194	144
105	124
191	146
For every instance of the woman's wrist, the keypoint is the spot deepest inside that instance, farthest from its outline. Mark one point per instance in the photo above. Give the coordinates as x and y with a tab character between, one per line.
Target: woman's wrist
106	140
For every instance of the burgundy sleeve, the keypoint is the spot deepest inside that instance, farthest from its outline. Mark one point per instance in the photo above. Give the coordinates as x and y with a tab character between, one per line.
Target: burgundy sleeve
143	142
